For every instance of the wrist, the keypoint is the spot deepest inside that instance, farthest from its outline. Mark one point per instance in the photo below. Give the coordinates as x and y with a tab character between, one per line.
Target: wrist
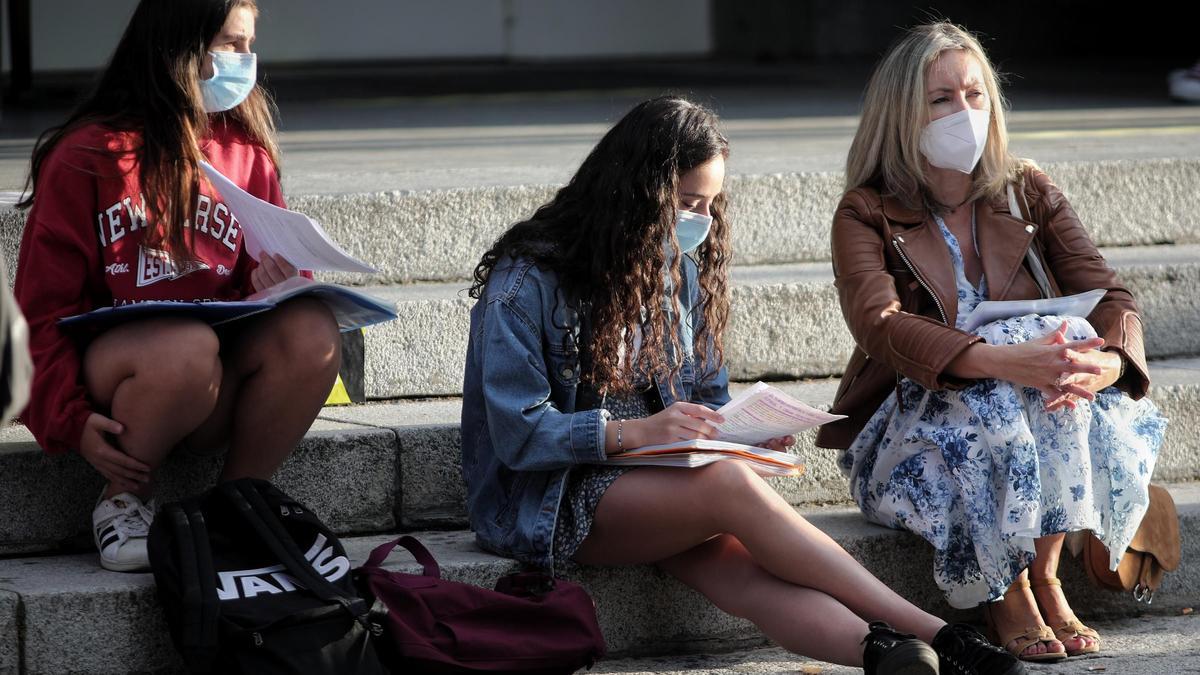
631	435
976	362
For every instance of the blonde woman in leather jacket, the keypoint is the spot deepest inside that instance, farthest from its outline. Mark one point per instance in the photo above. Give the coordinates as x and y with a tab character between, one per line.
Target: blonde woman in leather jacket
992	443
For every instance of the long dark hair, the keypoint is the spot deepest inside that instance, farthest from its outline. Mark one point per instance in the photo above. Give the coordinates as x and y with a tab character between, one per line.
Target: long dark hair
603	234
151	86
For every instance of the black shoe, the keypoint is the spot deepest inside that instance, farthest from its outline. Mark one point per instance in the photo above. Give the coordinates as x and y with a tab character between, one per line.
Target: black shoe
890	653
963	651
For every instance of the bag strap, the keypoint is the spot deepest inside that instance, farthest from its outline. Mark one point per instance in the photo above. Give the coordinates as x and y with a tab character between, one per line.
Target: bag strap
197	580
416	548
1031	257
251	505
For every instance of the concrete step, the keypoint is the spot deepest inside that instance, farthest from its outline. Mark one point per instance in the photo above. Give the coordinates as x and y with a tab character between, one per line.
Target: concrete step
374	467
1136	645
347	472
440	234
50	607
778	217
785	322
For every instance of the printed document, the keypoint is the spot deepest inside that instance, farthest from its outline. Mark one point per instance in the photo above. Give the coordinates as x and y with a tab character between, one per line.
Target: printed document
763	412
757	415
1080	304
270	229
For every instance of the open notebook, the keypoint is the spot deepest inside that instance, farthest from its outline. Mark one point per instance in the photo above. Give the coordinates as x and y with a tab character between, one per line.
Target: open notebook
351	308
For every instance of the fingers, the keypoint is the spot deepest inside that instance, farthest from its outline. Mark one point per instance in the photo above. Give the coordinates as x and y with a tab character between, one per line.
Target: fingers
1060	333
1073	366
1057	337
105	424
270	270
1084	345
1056	399
693	428
285	268
1077	390
780	444
276	268
257	280
122	465
126	462
699	411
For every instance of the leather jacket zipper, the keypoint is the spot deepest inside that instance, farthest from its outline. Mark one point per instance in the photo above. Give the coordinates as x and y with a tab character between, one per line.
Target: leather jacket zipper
921	280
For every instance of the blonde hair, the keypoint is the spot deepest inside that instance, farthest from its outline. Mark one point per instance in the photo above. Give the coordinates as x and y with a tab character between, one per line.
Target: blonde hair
886	152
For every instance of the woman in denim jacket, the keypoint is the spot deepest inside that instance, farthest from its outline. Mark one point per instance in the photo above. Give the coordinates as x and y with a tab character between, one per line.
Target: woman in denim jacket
598	329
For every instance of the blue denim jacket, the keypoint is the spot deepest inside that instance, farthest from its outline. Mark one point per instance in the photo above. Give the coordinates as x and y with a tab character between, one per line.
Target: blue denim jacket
521	433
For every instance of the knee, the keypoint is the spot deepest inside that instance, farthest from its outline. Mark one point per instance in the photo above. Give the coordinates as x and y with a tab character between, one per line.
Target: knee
305	332
729	478
183	356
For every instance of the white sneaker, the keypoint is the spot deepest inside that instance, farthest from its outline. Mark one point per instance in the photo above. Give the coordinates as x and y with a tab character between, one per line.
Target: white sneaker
1185	84
120	526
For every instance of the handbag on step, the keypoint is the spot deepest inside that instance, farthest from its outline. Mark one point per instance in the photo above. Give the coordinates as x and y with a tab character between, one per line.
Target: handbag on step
531	623
1155	550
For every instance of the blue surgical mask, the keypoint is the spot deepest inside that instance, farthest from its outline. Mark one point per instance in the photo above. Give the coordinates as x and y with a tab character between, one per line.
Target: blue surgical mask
234	77
691	229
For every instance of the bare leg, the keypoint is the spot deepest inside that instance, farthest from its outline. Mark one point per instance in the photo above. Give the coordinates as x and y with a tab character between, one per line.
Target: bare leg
799	619
159	378
652	514
278	373
1051	599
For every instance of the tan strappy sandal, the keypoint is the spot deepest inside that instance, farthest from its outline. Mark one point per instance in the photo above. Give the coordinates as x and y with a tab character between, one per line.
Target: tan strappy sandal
1017	643
1073	628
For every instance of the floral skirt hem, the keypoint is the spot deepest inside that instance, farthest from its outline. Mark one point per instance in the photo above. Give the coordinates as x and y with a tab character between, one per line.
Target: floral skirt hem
585	486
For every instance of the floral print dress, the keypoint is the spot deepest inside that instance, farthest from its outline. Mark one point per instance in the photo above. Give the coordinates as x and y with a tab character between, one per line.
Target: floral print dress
981	472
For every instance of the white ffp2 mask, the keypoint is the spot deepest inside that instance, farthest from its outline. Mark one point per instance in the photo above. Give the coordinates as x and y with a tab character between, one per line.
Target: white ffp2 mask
956	141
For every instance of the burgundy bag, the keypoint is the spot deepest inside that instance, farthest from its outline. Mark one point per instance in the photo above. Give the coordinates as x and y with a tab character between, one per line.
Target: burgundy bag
531	623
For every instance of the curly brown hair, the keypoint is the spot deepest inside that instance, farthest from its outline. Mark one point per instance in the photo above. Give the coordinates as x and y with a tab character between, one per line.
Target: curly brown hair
602	234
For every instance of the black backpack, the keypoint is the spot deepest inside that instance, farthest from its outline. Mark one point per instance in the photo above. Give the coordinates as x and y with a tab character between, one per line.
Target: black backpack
251	581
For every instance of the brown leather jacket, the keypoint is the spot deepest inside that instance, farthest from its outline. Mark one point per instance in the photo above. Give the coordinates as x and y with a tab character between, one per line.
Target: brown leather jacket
896	284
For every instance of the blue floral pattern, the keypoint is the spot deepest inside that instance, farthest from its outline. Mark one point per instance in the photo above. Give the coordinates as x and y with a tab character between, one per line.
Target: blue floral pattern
982	472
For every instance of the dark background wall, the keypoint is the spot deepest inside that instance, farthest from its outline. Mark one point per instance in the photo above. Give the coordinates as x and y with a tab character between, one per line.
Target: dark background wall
774	30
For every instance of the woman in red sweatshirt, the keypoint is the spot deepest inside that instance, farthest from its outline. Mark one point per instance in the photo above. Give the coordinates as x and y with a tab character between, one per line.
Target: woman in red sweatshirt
122	214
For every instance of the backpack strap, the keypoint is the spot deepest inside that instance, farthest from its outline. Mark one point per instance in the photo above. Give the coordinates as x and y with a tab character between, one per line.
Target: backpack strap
197	578
1031	257
251	505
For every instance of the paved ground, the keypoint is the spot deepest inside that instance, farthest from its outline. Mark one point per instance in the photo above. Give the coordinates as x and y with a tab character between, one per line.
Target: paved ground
363	134
1151	645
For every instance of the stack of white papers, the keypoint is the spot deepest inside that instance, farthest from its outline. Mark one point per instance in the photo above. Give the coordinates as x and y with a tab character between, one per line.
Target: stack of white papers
699	453
293	235
1080	304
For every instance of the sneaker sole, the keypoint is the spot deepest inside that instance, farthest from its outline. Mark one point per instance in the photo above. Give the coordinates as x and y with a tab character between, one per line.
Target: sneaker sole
909	659
124	567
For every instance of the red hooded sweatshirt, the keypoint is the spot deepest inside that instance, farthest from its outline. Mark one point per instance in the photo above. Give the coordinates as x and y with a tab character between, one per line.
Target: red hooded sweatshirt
81	250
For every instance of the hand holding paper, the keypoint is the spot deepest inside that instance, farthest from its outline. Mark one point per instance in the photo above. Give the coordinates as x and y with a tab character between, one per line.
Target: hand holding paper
763	412
270	229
